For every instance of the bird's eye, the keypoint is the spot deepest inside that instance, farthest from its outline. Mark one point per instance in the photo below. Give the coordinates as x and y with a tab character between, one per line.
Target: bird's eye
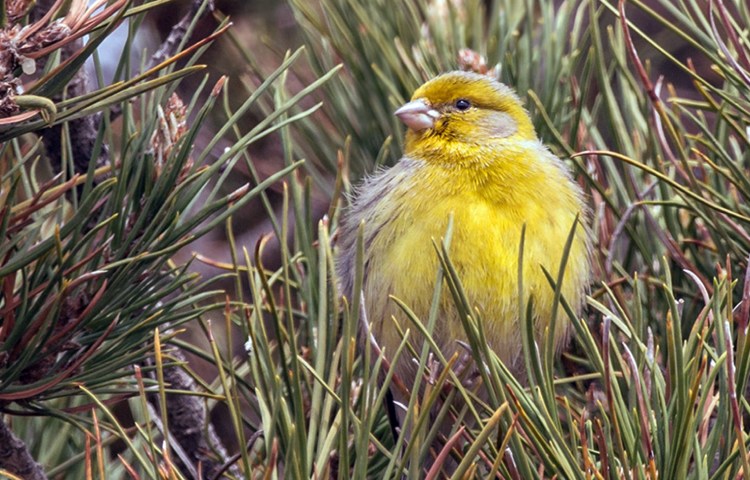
463	104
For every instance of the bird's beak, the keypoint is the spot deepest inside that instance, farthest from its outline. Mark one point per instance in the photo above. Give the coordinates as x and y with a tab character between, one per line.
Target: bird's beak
418	114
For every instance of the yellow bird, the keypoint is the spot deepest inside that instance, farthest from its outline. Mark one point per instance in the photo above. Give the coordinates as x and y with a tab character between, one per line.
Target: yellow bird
470	154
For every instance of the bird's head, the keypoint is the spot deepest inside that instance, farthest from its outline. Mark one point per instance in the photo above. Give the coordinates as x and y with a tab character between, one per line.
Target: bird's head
463	110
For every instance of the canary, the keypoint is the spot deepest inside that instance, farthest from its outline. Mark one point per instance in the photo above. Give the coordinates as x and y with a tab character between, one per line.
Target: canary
471	155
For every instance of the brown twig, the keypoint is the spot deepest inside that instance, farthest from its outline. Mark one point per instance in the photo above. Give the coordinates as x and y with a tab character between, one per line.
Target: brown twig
82	131
15	457
188	424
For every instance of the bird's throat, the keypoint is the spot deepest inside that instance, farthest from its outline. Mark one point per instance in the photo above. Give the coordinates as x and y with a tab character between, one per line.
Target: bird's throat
508	174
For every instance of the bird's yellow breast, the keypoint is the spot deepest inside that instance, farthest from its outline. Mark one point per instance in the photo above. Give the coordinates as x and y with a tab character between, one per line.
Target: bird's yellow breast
484	248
